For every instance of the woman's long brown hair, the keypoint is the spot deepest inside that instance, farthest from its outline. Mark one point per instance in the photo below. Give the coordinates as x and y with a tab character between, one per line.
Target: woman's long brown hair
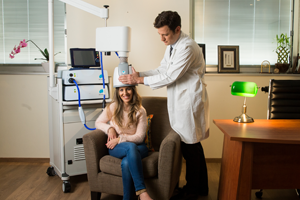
135	104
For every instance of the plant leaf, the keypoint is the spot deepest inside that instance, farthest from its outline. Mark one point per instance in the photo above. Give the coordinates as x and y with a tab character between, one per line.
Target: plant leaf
46	54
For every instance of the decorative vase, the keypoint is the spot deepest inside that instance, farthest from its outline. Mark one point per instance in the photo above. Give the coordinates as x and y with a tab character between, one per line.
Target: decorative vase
45	65
282	67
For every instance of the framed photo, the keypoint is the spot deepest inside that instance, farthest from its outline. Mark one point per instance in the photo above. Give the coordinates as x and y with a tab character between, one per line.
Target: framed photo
228	59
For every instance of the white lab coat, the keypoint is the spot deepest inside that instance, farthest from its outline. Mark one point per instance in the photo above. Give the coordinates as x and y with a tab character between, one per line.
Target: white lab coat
183	74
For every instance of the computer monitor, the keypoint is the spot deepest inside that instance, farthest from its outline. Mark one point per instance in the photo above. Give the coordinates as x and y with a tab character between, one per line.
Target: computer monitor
84	58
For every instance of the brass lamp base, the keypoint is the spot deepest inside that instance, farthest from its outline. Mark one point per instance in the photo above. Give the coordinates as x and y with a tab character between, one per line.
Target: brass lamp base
243	118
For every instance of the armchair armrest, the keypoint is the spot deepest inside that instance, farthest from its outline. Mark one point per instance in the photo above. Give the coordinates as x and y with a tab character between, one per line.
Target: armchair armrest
94	149
169	161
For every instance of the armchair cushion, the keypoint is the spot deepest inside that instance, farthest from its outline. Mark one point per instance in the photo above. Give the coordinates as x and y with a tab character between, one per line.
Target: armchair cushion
111	165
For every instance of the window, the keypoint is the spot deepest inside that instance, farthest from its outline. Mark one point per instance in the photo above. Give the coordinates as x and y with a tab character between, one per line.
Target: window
251	24
28	19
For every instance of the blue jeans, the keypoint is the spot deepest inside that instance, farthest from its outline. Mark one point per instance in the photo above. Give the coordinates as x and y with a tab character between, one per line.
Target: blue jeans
132	169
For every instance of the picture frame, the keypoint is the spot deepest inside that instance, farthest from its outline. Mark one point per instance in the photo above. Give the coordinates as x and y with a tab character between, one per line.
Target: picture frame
228	59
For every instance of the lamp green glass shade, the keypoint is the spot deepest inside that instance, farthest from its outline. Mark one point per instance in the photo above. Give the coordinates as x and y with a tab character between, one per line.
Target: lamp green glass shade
244	89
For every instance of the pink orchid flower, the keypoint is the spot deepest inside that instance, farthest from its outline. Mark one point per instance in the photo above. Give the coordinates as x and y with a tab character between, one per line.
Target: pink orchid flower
17	50
23	44
11	56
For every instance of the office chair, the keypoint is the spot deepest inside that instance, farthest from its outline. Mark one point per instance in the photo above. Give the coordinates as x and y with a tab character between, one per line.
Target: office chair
283	103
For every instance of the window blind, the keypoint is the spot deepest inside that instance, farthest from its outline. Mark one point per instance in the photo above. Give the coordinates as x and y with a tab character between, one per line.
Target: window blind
28	19
250	24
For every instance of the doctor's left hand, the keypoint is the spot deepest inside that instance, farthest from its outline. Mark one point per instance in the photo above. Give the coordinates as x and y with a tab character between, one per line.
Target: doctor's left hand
131	79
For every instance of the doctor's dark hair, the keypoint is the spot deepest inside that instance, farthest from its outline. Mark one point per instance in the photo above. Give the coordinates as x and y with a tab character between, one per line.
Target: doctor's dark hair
169	18
135	105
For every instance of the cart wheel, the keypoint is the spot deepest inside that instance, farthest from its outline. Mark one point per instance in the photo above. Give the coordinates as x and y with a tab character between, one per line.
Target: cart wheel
50	171
66	187
259	194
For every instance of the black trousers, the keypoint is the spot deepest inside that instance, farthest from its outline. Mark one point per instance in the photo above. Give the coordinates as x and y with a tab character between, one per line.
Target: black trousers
196	170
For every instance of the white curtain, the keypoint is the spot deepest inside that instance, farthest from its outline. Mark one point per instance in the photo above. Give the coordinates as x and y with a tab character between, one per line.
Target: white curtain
250	24
28	19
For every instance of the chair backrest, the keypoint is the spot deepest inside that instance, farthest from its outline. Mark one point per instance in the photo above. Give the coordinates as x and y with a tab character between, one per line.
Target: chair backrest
160	125
284	99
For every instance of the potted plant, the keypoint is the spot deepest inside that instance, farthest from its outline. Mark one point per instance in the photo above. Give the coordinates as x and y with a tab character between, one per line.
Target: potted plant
283	51
45	53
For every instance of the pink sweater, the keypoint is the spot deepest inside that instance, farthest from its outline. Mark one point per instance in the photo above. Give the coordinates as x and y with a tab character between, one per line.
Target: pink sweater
135	133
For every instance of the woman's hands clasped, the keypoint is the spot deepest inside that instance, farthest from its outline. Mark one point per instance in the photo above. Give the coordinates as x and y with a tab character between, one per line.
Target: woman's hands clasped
112	139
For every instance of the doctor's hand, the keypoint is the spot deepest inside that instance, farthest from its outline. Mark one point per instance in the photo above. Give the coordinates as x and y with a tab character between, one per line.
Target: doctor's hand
131	79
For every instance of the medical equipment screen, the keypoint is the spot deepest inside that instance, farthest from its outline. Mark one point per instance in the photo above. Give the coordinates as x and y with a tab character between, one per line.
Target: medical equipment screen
84	58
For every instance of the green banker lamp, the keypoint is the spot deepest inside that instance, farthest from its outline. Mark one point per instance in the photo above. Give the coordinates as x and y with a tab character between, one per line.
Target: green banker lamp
244	89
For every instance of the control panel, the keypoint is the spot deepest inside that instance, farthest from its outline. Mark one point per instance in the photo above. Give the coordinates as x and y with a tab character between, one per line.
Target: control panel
84	76
90	84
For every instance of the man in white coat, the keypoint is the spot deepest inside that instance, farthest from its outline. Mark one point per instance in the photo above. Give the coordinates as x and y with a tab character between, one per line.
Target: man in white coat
182	71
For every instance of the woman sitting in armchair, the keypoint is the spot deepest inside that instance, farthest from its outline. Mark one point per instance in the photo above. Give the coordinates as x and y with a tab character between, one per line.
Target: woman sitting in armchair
126	133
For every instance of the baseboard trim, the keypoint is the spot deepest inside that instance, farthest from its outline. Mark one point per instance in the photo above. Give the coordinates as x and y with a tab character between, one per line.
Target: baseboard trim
35	160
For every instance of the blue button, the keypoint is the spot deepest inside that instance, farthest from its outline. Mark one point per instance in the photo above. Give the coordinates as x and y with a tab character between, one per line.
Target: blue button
101	91
123	72
100	76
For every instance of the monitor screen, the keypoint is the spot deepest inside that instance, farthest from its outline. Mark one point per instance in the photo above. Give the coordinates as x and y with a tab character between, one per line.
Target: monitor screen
84	58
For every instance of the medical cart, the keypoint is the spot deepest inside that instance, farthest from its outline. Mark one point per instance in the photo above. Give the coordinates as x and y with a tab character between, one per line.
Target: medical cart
66	130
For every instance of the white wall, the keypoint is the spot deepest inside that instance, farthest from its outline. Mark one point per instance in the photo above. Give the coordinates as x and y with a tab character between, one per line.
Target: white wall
23	102
24	116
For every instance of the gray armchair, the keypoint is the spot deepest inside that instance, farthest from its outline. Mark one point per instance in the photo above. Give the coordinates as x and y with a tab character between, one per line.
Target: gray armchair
161	168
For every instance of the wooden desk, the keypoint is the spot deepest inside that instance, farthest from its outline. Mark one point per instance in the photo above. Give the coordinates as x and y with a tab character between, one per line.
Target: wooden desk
260	155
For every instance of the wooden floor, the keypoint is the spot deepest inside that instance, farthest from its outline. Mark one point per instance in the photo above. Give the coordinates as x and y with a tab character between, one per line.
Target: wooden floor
25	180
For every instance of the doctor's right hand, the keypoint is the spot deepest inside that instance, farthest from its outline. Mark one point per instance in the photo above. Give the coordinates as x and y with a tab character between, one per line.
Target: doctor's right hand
132	79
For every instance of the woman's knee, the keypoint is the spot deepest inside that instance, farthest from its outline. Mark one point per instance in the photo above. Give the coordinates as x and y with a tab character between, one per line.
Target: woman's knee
132	147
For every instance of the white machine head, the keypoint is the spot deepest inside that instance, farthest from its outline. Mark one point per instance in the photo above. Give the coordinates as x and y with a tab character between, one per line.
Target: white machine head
122	69
116	39
113	39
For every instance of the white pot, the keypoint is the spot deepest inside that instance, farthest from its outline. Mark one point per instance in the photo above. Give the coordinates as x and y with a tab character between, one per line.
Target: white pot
45	65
